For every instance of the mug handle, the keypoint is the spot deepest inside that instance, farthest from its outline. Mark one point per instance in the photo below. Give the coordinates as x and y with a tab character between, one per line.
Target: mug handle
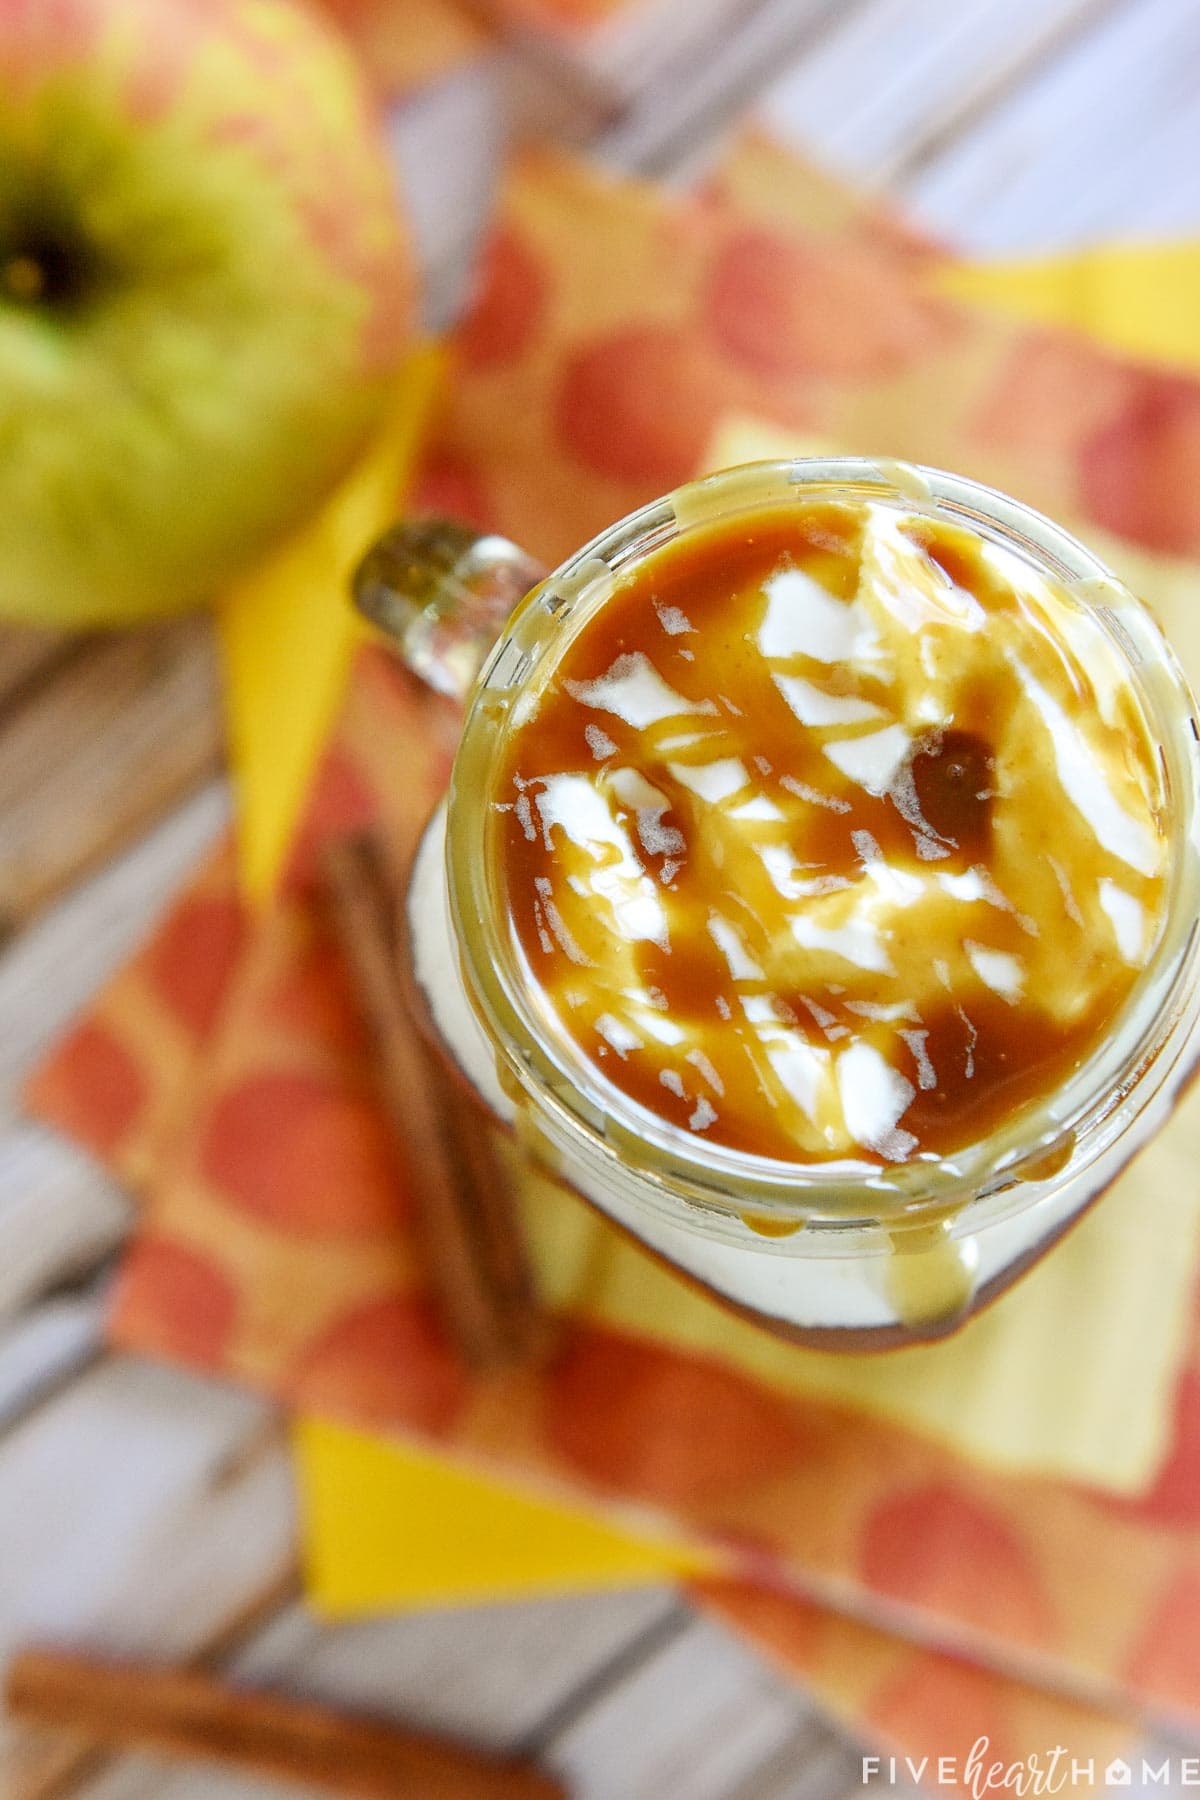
442	592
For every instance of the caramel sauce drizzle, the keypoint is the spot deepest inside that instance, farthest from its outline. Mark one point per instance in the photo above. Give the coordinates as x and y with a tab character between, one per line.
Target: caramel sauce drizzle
834	834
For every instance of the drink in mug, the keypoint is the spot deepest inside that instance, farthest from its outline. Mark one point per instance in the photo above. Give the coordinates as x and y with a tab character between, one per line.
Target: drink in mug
817	881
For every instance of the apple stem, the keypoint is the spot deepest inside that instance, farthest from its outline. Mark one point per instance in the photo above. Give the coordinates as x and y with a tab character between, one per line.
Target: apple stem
23	278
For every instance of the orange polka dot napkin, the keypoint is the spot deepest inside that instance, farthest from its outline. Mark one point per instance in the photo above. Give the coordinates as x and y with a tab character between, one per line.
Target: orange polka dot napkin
276	1251
612	331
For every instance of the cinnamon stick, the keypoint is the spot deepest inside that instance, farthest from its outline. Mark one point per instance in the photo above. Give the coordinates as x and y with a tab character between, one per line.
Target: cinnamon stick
467	1213
127	1705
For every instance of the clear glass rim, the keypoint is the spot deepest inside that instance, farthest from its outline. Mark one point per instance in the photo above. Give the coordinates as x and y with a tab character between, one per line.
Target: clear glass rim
1093	1106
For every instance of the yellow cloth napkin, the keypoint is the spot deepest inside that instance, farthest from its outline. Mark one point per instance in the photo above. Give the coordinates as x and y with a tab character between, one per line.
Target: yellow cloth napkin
1142	300
386	1525
287	635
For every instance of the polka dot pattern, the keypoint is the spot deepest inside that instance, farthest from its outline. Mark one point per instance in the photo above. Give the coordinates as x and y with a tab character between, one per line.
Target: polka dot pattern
192	959
91	1087
935	1701
384	1360
663	1425
1139	473
509	305
780	307
639	405
935	1546
1165	1661
304	1156
453	485
179	1299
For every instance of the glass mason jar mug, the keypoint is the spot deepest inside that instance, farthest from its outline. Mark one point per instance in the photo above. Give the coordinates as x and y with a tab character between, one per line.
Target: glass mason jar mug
843	1253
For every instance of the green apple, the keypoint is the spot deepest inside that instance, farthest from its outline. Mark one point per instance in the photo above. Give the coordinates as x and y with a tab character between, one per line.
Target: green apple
204	293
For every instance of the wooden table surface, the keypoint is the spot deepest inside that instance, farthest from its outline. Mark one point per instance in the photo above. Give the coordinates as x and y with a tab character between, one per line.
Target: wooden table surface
145	1511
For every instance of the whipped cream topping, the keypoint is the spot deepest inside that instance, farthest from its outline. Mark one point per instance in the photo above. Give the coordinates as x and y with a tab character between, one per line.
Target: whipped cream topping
834	833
